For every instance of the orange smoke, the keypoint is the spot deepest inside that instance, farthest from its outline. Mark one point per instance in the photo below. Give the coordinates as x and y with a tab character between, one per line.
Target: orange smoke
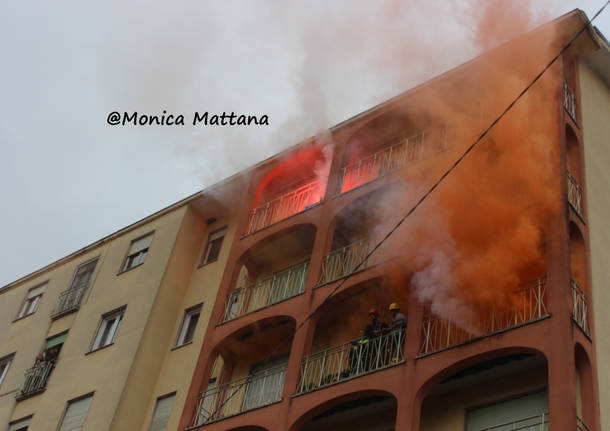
482	231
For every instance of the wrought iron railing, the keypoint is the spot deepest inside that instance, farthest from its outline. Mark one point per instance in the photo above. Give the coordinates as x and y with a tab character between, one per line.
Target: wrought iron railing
341	262
351	359
287	205
579	307
36	379
69	300
239	396
382	162
581	426
281	285
574	194
538	422
527	304
569	100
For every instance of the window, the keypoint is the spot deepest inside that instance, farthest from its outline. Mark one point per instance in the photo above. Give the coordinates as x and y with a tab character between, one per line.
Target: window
163	409
189	323
70	300
137	252
108	329
5	363
20	425
75	414
212	249
30	304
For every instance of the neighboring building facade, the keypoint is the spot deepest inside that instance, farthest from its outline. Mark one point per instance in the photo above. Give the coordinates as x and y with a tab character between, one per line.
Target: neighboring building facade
236	308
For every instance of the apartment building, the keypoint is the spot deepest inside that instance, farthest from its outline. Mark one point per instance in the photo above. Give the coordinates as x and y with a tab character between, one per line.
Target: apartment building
108	336
499	272
245	307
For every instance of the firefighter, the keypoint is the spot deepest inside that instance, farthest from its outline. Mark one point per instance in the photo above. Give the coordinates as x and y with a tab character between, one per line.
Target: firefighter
376	327
363	350
398	325
398	319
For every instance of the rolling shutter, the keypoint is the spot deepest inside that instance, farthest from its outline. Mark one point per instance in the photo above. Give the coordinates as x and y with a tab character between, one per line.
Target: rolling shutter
162	411
76	414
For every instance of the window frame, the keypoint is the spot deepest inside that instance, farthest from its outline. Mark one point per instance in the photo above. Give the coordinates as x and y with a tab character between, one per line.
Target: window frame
5	361
128	254
208	245
21	313
117	315
161	398
74	400
25	419
184	325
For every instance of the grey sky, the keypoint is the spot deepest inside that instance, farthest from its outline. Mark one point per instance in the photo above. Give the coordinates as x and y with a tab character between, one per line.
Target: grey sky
67	178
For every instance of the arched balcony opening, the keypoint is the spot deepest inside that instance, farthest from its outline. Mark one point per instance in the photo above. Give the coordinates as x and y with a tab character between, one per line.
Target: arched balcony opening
272	271
358	227
348	342
251	373
578	274
389	143
367	411
294	185
585	406
512	307
507	392
574	171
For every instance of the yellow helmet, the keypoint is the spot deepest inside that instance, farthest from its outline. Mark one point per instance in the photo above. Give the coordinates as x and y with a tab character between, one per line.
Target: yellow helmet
394	306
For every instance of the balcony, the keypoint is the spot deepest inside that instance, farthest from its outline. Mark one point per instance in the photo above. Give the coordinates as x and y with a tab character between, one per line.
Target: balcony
284	206
569	101
579	307
352	359
341	262
382	162
239	396
35	380
533	423
574	194
282	285
439	334
69	301
580	425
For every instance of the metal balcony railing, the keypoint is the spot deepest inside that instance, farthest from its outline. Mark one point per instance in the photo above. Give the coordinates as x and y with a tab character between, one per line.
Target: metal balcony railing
382	162
35	379
579	307
533	423
569	100
69	300
351	359
239	396
341	262
574	194
580	425
287	205
528	305
282	285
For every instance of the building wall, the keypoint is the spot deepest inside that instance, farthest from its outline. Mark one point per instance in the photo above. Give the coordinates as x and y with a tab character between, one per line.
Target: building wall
179	363
595	97
79	371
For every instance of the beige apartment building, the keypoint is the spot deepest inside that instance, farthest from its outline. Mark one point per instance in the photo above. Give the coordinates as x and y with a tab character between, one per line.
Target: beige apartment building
244	307
112	331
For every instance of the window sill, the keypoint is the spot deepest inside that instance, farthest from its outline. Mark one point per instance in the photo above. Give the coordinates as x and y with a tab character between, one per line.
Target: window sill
180	346
207	263
23	317
129	269
99	348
